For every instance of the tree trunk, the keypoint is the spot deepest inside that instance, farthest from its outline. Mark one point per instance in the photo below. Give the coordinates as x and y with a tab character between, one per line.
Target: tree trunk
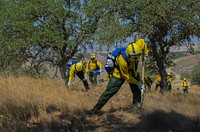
160	65
62	69
163	74
63	61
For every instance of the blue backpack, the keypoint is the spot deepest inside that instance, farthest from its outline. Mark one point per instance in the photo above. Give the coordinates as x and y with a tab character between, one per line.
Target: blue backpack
69	64
111	59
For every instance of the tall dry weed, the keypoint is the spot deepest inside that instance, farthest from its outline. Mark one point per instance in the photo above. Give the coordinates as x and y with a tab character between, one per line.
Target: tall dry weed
47	103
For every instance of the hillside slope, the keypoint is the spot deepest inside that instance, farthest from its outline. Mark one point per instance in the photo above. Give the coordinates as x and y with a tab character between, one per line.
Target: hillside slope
29	104
168	112
186	64
183	65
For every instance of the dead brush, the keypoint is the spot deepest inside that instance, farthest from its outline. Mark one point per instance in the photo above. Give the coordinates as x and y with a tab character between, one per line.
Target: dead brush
45	104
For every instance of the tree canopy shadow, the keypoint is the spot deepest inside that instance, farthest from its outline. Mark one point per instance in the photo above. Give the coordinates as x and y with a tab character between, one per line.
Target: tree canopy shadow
108	121
156	121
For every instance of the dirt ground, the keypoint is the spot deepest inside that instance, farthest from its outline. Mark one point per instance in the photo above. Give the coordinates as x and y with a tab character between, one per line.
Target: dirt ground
165	115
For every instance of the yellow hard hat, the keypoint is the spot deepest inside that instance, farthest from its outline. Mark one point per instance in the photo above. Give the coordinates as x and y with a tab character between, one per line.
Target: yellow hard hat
92	56
142	45
133	50
184	79
79	66
168	73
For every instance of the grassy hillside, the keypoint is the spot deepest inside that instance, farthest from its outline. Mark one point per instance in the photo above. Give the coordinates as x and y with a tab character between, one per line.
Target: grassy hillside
35	105
28	104
186	64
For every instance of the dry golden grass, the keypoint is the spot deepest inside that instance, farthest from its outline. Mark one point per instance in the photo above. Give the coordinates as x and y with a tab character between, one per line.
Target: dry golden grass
45	104
28	104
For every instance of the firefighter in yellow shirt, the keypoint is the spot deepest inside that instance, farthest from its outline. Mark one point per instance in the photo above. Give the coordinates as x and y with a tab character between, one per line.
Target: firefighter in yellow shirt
169	82
125	71
185	86
80	71
147	83
94	69
158	81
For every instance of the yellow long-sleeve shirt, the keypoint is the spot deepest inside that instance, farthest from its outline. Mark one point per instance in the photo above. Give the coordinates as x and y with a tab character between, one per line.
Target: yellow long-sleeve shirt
169	79
158	79
73	71
92	66
185	84
126	71
147	81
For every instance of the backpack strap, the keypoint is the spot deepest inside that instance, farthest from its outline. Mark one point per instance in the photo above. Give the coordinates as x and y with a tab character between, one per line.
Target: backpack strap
94	62
123	53
124	56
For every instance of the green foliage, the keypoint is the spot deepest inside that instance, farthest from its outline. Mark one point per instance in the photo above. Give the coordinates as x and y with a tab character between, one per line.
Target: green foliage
163	23
195	78
79	56
33	72
41	31
185	75
36	72
54	31
151	69
175	55
153	19
191	50
173	75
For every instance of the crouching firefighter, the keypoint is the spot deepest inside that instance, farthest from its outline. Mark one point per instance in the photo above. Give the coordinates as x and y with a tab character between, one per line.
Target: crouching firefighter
68	65
80	71
125	69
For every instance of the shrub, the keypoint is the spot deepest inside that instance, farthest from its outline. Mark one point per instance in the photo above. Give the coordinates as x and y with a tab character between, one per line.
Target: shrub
185	75
36	71
195	78
173	75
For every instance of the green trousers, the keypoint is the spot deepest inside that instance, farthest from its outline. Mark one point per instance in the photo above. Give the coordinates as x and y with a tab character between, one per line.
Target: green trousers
113	86
93	79
185	90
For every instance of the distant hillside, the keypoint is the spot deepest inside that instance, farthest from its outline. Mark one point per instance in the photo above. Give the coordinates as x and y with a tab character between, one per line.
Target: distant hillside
186	64
184	48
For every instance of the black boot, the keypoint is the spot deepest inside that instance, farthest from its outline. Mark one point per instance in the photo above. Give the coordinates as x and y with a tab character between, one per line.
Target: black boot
92	111
85	83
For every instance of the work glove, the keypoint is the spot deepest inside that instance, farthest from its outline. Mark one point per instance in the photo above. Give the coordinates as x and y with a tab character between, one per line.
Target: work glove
84	78
141	86
69	84
87	70
100	70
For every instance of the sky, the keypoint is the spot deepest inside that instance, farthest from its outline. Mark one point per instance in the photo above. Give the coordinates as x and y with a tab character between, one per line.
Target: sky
195	40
